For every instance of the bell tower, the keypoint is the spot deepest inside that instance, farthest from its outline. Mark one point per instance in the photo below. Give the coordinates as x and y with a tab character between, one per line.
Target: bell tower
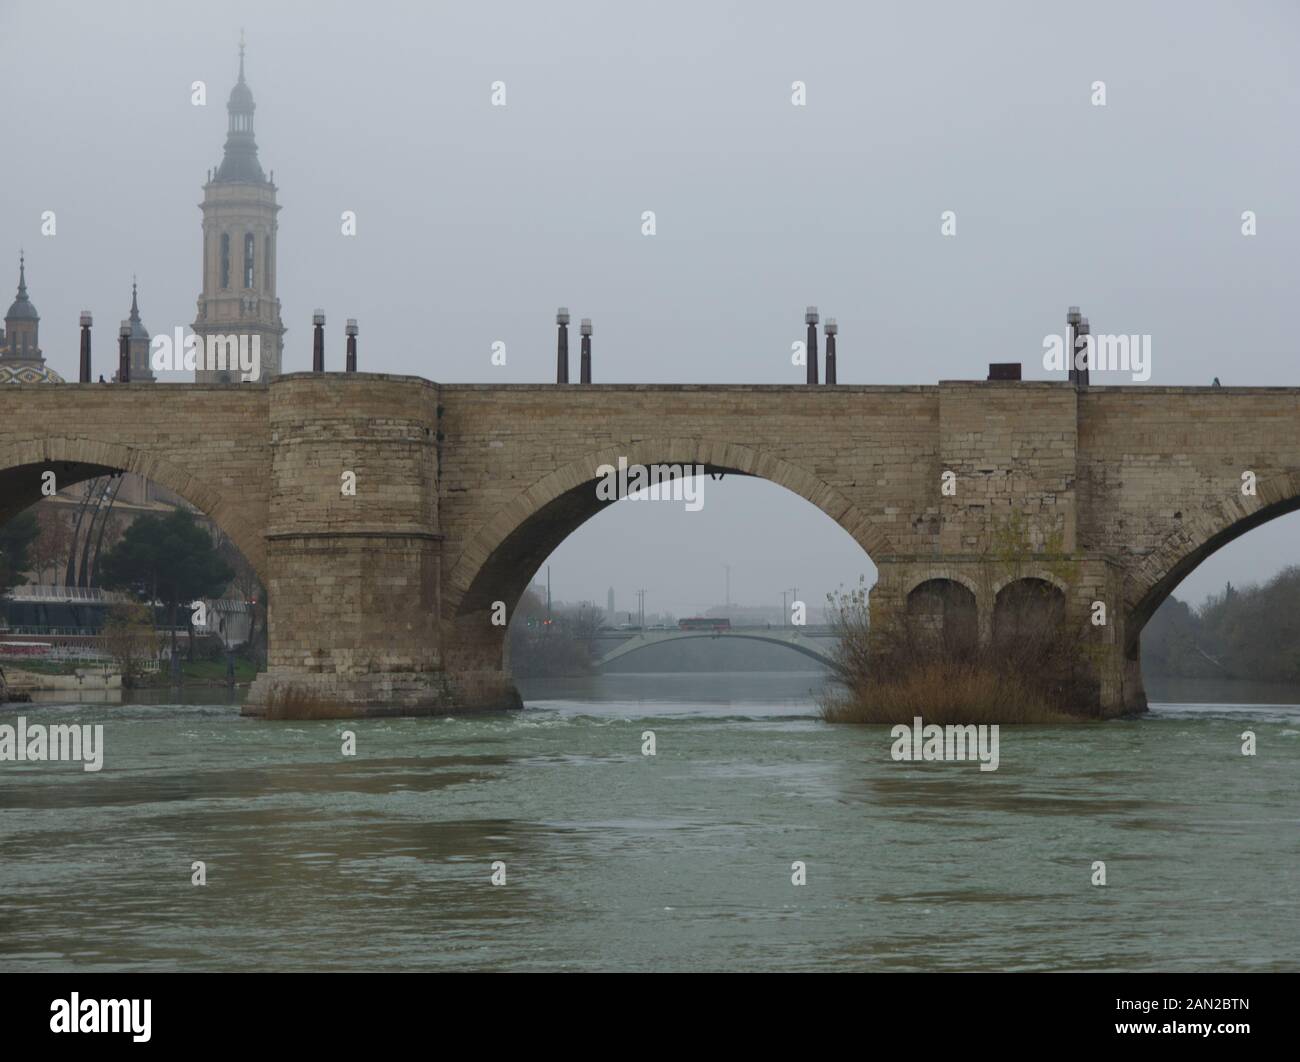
239	248
22	324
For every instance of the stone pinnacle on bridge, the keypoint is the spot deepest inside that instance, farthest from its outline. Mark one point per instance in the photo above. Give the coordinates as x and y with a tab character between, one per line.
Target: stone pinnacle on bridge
810	318
832	329
86	322
318	341
562	345
585	370
351	331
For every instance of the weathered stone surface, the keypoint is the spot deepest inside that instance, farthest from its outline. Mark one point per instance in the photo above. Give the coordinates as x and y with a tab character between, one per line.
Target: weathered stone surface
382	601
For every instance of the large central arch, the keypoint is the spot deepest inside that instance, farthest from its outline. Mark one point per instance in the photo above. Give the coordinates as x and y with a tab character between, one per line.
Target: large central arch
497	563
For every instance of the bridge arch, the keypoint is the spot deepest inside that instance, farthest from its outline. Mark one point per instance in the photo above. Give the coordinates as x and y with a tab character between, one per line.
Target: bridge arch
500	559
75	460
1027	607
947	608
1203	531
940	574
1030	573
635	645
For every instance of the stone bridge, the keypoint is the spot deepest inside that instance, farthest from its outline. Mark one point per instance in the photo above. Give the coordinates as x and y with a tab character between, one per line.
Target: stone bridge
382	601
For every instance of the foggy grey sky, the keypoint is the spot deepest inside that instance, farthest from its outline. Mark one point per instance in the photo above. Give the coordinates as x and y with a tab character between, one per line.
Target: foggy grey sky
475	222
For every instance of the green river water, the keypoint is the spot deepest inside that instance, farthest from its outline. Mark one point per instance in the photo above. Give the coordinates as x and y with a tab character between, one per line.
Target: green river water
678	861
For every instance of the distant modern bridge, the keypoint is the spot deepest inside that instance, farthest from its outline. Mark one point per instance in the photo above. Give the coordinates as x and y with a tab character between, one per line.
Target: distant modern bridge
815	642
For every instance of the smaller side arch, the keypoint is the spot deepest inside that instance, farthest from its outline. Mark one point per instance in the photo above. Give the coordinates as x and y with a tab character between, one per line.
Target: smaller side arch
1039	574
1027	609
941	574
1201	533
946	609
21	463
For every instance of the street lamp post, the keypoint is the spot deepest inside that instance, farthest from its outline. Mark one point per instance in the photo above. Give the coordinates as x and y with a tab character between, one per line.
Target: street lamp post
85	346
810	318
318	342
124	352
351	331
562	345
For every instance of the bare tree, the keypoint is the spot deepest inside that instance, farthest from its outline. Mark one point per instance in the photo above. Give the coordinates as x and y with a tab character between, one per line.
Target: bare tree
50	547
130	639
247	586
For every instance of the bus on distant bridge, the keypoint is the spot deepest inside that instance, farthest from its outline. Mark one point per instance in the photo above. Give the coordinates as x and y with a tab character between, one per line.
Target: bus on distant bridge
704	623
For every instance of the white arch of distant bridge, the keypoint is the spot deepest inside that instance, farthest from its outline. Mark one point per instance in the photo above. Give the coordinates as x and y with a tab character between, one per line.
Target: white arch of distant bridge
800	639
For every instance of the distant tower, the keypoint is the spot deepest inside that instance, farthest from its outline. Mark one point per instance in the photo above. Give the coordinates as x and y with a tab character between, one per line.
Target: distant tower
22	322
239	245
141	370
21	360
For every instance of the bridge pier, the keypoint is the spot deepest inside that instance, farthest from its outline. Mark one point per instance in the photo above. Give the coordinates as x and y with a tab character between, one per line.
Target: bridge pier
1086	613
353	556
476	659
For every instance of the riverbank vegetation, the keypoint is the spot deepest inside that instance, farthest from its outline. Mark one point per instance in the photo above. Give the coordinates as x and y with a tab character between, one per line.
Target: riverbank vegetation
1249	633
947	677
929	659
542	645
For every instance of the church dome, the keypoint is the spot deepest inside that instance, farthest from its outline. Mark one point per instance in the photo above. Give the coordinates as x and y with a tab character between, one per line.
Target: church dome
22	310
28	374
241	96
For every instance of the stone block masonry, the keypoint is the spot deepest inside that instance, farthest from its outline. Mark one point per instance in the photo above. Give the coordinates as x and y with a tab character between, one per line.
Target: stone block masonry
380	601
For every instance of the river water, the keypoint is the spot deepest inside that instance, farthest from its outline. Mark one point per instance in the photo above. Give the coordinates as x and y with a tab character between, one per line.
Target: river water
677	861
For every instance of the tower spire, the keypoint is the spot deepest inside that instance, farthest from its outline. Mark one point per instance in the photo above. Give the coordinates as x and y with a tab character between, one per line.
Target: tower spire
135	307
240	160
22	321
239	246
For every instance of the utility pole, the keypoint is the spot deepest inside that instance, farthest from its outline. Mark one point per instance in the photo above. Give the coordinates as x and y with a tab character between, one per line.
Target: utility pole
728	567
640	597
548	593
